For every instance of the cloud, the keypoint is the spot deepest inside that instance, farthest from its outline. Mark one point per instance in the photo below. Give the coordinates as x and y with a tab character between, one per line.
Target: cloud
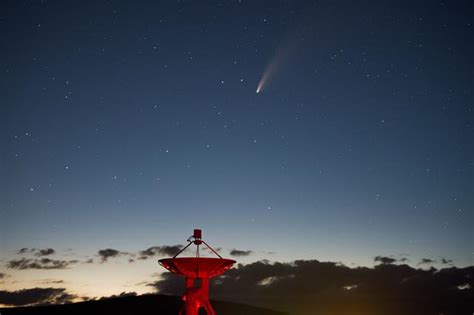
26	250
45	252
426	261
108	253
36	296
240	253
164	250
43	263
446	261
313	287
49	281
384	259
37	251
3	275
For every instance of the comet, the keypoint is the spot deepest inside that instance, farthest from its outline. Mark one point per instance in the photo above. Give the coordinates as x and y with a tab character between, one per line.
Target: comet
269	71
279	59
263	80
299	32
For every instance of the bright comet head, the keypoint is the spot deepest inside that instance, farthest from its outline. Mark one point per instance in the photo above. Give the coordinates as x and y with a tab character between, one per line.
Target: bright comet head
260	86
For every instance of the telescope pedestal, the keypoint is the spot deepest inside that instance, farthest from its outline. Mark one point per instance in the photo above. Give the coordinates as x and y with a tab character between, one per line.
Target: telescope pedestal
196	298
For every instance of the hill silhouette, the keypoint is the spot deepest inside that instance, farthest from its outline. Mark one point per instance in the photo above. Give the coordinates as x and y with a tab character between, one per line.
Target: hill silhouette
130	305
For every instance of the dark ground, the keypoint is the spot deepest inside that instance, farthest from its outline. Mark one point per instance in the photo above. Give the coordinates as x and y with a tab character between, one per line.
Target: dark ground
131	305
169	305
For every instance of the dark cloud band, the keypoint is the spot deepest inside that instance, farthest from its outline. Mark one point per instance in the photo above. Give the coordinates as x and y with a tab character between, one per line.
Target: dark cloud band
43	263
164	250
240	253
313	287
36	296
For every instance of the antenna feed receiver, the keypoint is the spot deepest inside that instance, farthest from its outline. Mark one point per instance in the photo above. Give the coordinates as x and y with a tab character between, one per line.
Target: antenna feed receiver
197	236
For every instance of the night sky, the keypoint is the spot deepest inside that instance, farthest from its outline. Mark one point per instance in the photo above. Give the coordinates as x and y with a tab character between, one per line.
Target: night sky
124	125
